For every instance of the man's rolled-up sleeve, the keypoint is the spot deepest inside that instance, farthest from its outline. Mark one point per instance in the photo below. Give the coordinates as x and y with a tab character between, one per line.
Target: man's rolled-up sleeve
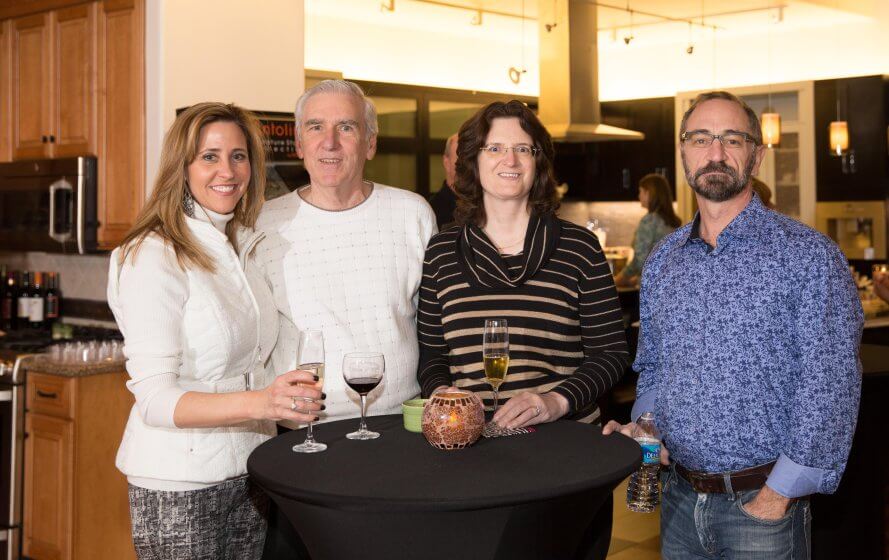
824	408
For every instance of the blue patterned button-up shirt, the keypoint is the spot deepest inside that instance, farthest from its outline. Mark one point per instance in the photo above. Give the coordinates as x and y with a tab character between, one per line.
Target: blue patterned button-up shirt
748	352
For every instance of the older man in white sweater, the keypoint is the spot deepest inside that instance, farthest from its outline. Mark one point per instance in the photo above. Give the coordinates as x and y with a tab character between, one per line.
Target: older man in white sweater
345	255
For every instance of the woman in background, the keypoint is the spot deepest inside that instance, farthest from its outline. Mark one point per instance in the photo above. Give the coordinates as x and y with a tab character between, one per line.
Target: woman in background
198	324
655	196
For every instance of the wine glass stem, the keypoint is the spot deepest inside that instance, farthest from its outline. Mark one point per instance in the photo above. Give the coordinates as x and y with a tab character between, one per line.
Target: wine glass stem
495	398
363	426
309	437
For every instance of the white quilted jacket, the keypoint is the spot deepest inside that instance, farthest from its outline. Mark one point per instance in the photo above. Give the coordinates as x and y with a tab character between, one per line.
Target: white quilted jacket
191	331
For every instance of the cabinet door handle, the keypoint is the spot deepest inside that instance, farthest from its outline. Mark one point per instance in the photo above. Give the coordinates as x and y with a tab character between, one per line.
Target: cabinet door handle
43	139
52	139
44	395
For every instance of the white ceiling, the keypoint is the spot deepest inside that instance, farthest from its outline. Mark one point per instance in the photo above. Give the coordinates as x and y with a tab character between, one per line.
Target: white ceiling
668	20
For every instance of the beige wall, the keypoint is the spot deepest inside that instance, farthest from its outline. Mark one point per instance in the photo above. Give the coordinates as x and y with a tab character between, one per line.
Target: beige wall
249	53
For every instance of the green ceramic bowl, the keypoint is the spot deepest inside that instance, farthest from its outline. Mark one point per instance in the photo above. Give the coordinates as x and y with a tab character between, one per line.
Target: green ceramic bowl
413	414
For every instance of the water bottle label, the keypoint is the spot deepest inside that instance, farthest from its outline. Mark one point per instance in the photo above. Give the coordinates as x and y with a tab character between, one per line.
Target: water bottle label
651	453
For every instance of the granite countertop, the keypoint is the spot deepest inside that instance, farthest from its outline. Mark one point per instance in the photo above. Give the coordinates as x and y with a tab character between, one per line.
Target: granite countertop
42	364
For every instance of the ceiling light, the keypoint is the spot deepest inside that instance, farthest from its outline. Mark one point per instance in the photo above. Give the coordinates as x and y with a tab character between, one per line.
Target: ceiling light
839	138
771	128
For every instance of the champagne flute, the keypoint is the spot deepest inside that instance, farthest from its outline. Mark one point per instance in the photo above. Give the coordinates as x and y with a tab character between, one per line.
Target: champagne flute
495	352
311	358
362	372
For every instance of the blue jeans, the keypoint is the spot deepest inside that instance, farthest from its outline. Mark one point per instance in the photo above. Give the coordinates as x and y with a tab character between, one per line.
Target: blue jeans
709	526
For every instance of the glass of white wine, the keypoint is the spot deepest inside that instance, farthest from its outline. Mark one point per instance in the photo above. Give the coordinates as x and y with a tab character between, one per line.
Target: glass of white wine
495	352
311	358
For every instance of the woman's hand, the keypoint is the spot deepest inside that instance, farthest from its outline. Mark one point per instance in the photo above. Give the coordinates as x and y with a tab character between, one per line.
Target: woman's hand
881	286
441	388
294	395
623	280
528	409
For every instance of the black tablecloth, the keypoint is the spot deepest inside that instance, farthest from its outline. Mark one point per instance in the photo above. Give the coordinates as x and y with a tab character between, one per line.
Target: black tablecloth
524	496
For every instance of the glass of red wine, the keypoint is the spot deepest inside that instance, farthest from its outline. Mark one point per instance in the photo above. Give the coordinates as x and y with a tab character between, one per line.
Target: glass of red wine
363	371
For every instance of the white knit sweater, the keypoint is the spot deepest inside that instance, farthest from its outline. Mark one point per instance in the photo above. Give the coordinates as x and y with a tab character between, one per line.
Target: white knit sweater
190	330
355	275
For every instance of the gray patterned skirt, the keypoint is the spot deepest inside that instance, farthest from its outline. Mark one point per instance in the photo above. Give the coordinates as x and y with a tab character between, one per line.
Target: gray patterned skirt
225	521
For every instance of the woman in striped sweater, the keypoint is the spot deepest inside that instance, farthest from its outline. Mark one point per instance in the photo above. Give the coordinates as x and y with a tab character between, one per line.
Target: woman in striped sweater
510	257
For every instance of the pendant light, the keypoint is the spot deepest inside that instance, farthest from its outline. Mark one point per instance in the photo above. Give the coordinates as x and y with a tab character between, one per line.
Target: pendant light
839	131
771	127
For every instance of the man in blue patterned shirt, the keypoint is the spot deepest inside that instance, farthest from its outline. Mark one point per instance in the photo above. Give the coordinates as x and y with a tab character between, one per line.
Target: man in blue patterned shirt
748	355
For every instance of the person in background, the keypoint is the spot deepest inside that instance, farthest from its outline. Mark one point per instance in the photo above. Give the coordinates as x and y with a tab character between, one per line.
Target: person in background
881	286
444	202
656	197
344	256
199	324
763	192
748	355
512	258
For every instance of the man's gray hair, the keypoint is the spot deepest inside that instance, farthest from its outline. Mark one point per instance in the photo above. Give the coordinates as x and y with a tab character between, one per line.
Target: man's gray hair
343	87
752	119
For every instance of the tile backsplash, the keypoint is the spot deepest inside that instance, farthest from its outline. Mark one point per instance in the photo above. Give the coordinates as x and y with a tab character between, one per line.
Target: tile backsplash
620	219
81	276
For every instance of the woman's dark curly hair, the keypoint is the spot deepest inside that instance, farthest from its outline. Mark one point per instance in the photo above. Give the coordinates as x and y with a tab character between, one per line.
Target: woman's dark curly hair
473	136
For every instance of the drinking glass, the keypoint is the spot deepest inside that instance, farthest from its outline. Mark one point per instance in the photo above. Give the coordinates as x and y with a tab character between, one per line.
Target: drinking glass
362	372
495	352
311	358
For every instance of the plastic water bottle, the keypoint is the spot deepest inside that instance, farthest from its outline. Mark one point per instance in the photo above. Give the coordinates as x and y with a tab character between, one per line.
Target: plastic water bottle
643	491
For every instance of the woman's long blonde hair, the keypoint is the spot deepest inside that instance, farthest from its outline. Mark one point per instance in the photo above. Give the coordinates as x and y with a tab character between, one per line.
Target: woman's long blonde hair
163	214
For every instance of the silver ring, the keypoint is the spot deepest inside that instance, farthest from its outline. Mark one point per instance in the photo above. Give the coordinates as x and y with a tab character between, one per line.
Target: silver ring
293	404
536	410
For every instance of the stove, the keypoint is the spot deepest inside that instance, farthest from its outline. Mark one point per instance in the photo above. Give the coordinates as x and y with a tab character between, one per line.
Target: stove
15	348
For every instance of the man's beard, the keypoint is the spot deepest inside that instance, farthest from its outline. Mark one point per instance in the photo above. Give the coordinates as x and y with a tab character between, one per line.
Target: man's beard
719	188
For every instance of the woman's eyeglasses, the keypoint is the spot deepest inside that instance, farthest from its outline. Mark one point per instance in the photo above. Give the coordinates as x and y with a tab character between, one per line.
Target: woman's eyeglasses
523	151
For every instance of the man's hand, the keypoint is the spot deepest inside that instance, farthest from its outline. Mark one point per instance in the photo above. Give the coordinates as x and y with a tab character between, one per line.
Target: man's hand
767	504
627	430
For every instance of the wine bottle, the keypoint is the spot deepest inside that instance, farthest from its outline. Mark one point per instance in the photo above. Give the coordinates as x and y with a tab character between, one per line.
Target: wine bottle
9	305
23	301
35	308
52	298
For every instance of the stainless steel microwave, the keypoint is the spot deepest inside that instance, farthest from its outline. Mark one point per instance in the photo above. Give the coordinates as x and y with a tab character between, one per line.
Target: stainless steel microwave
49	205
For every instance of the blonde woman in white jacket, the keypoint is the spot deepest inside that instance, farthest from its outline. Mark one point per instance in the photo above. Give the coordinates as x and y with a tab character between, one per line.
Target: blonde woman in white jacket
199	324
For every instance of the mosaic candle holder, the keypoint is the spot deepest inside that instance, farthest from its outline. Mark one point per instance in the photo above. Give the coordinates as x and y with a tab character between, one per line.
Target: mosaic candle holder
453	419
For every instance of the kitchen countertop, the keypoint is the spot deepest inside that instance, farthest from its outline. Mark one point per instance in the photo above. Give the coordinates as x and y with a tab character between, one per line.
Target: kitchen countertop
44	365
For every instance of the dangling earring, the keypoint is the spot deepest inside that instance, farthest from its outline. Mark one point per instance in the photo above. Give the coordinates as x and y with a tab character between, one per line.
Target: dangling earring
188	202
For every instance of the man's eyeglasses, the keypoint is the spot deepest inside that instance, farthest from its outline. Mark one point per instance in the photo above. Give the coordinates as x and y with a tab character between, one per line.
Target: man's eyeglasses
729	140
523	151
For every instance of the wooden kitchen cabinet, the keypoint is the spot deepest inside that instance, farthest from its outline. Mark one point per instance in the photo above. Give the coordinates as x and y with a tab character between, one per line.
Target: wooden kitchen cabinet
76	504
54	83
72	84
30	86
5	88
121	103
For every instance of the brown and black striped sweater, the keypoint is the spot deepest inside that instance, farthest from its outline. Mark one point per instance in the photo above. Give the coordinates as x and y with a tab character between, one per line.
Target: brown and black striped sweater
565	326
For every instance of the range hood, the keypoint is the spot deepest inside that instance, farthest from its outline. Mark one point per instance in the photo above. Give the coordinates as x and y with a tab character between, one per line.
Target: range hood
569	76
